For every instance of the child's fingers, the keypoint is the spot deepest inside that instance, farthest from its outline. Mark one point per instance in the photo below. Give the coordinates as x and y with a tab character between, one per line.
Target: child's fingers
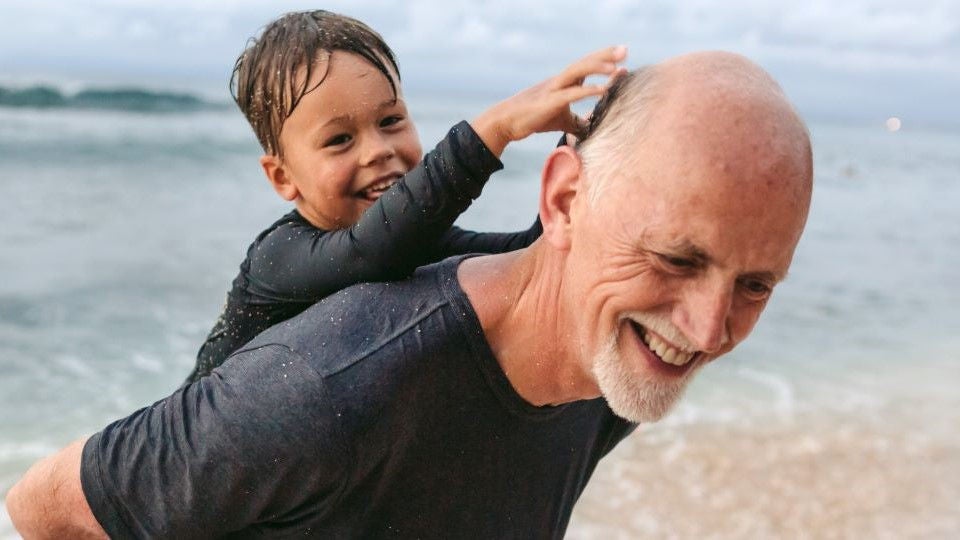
617	73
577	73
602	62
575	125
578	127
614	55
576	93
599	89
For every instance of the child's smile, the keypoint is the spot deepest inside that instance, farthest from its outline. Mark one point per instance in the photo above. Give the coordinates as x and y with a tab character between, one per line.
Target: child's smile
379	186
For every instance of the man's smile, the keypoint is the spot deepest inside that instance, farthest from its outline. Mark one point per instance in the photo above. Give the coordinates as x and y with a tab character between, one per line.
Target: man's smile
660	354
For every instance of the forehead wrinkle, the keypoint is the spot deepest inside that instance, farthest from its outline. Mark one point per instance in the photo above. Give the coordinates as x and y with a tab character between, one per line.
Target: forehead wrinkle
774	277
686	248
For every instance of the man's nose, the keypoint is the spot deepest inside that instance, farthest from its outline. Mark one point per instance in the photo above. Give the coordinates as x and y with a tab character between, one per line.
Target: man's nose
703	314
376	148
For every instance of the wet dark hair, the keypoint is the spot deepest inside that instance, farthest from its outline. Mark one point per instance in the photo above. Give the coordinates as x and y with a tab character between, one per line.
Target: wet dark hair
267	82
603	105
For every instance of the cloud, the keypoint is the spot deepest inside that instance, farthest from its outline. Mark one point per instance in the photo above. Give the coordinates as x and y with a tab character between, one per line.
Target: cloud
497	46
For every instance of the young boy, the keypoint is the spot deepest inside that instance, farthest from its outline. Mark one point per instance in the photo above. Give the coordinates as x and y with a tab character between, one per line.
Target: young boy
322	93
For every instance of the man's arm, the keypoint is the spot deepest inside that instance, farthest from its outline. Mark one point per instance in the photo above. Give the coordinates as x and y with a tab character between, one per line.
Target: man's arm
458	241
48	502
246	445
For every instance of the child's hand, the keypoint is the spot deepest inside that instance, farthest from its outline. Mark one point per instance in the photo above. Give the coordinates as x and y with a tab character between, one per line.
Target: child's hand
546	106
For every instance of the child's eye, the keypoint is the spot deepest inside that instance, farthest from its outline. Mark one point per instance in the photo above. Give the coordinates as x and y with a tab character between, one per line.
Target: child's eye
390	120
337	140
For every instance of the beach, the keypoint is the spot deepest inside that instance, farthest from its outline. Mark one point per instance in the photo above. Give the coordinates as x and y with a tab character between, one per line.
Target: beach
870	470
803	478
835	419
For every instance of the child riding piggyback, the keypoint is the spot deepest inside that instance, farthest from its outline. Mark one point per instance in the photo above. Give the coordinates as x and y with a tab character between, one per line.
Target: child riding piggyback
322	93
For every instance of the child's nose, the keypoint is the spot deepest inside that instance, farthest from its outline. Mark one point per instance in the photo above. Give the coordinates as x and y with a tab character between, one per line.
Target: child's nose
376	148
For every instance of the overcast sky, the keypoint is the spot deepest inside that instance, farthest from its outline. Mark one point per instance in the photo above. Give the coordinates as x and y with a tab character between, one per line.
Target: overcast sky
858	59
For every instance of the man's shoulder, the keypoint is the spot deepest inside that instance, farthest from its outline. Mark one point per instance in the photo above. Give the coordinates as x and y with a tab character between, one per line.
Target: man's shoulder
355	322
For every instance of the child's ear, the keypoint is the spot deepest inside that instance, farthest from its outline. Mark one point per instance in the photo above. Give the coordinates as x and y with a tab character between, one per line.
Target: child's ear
277	175
559	186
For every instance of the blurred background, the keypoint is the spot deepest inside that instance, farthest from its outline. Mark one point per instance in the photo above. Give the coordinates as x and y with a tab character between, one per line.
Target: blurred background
132	191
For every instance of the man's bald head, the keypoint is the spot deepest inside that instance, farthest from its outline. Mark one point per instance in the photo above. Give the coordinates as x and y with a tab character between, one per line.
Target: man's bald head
723	101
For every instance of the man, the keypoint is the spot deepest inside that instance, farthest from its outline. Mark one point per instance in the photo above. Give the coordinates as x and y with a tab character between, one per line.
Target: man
476	398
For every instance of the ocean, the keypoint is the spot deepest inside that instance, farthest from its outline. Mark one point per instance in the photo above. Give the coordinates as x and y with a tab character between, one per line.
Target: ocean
838	418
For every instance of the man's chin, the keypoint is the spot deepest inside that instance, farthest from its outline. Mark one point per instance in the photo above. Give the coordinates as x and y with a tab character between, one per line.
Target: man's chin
631	393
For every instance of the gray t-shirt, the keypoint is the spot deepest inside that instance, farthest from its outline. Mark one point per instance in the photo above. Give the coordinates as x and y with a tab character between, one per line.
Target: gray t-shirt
379	412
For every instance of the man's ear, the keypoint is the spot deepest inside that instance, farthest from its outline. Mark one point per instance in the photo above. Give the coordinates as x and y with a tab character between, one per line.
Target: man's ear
559	186
276	173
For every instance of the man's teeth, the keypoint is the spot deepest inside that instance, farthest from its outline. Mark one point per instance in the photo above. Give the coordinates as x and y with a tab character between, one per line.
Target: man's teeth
666	353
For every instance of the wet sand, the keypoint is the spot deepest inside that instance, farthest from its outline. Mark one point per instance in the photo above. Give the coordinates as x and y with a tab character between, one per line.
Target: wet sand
818	476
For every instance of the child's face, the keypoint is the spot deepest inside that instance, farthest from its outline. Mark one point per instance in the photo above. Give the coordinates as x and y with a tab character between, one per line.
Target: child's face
345	143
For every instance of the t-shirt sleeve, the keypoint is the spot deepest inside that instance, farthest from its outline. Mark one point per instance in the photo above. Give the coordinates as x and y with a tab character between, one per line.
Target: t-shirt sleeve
250	443
298	263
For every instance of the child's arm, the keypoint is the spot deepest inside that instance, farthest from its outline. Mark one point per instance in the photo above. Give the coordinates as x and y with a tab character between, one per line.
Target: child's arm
401	230
457	241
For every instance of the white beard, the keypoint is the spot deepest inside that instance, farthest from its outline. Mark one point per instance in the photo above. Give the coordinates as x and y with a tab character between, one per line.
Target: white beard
631	393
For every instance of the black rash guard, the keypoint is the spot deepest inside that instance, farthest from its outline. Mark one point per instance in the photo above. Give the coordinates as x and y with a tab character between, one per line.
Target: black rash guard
292	264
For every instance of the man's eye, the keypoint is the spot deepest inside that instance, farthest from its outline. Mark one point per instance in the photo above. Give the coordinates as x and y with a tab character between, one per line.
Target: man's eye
390	120
757	290
679	262
337	140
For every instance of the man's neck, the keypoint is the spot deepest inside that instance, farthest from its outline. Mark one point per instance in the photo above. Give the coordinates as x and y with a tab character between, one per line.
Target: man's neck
517	297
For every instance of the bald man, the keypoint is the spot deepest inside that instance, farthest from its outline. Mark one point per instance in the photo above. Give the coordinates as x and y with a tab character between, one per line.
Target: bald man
476	398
